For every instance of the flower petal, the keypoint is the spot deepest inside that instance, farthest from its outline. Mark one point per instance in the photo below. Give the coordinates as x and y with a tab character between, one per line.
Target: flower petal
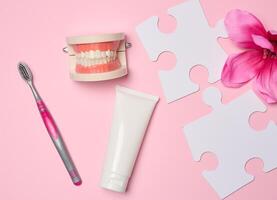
242	67
241	25
262	42
266	82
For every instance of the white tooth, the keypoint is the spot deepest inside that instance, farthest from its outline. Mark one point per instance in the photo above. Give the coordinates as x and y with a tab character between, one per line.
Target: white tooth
108	53
101	61
105	60
82	55
81	61
86	54
108	59
85	62
97	54
91	62
91	54
103	54
88	62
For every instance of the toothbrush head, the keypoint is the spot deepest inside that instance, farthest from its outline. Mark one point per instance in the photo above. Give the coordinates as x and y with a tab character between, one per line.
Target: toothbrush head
25	72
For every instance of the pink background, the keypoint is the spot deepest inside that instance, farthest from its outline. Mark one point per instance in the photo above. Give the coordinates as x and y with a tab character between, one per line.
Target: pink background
35	31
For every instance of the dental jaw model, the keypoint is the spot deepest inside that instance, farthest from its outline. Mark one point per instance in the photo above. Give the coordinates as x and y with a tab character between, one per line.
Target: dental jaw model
97	57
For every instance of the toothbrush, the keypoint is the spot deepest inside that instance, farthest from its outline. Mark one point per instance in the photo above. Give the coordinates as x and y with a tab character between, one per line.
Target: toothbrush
50	125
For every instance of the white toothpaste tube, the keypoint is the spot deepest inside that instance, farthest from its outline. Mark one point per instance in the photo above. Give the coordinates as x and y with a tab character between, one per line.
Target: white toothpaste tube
132	114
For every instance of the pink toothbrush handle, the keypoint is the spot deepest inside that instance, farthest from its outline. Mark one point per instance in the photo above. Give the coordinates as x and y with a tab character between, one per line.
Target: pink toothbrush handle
48	120
54	133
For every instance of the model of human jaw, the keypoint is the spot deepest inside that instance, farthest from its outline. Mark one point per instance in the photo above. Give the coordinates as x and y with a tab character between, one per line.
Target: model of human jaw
97	57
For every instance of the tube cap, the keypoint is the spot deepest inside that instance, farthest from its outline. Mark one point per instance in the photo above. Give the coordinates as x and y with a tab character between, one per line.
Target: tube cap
114	182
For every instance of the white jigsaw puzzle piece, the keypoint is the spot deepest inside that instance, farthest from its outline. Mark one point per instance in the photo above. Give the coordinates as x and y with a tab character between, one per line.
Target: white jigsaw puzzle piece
193	42
226	133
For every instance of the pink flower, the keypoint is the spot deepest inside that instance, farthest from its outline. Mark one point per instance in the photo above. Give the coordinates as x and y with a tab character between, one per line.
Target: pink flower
258	61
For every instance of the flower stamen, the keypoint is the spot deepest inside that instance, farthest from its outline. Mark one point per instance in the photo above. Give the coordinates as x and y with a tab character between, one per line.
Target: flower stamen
269	54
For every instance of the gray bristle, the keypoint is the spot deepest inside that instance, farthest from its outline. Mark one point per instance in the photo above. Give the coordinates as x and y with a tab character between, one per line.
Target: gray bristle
24	71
